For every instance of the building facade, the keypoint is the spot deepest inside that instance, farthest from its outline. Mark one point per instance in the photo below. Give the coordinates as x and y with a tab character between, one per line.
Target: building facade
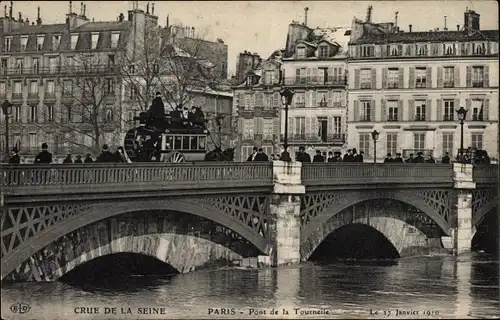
314	67
256	107
408	86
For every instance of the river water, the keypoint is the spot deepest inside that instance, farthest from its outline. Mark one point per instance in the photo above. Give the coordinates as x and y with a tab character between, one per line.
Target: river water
435	287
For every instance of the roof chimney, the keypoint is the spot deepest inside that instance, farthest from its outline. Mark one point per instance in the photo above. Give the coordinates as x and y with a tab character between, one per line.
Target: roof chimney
121	17
305	16
409	27
39	20
153	8
147	8
70	7
20	17
5	11
27	21
84	10
10	10
445	28
458	27
81	8
396	18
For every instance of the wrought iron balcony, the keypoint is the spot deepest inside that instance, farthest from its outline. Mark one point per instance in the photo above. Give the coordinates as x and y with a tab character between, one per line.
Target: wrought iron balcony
477	117
58	70
448	117
315	81
420	117
448	84
478	84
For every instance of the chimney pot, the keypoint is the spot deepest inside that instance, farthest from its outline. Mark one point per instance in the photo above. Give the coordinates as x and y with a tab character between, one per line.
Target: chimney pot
81	8
84	10
20	17
5	11
70	7
153	8
458	27
409	27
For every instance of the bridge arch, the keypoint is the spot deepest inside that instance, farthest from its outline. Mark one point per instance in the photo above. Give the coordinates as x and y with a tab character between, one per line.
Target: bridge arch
386	219
89	214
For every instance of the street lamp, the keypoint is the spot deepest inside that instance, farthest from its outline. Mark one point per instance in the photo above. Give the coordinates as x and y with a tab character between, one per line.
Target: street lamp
286	99
375	135
461	114
218	121
6	109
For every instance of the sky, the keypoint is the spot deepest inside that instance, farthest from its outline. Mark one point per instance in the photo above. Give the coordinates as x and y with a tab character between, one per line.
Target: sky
261	27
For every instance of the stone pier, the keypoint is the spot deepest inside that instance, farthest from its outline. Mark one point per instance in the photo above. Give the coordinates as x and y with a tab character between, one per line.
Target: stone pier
462	226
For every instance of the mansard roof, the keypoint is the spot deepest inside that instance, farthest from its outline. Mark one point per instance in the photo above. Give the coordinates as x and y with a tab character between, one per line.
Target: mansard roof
39	29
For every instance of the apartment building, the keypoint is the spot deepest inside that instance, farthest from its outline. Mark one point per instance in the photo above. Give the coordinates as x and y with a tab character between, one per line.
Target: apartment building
314	67
256	107
408	86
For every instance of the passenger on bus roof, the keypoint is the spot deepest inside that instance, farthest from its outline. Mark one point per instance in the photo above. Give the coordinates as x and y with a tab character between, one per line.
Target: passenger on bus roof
157	109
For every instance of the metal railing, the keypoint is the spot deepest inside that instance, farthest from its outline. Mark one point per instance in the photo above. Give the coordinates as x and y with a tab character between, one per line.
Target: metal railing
369	173
317	81
87	69
137	176
485	173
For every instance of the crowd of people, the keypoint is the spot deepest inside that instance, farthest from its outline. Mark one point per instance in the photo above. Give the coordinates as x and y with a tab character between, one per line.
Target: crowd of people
180	117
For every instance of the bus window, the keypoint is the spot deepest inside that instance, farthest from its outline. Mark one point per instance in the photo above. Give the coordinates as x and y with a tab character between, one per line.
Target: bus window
194	143
178	143
170	142
185	143
202	142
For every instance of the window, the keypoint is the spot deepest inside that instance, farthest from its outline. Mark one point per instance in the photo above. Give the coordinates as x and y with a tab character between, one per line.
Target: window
365	78
323	51
337	98
477	110
7	45
393	78
449	49
95	38
74	40
419	141
111	60
301	53
69	113
269	77
33	142
3	88
449	106
268	150
392	110
249	101
394	50
367	51
422	49
337	125
114	39
50	89
300	75
24	42
365	111
19	65
323	129
36	65
477	141
18	88
300	100
50	113
39	42
4	65
17	113
109	115
56	39
268	129
420	77
448	143
109	86
479	48
420	110
323	75
300	128
246	151
322	99
49	138
477	77
248	129
268	101
449	77
33	88
33	113
364	143
52	65
67	87
392	143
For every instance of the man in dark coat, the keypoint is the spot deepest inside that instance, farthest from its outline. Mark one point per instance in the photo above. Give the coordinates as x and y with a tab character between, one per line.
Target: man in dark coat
331	158
68	159
388	159
45	156
338	156
318	157
398	158
176	117
119	155
14	158
410	159
78	159
157	109
359	157
261	156
88	159
302	155
253	155
419	158
106	155
446	158
430	159
348	157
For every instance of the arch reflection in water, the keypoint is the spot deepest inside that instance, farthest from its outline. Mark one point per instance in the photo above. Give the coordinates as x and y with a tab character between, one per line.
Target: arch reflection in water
487	234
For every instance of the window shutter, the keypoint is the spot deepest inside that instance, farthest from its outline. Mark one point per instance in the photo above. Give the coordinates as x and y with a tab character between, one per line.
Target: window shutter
401	78
307	100
469	77
356	52
309	73
439	110
411	78
374	78
314	127
456	74
372	111
468	106
291	127
330	74
486	76
309	131
356	110
384	78
400	49
330	99
486	109
331	128
439	77
411	110
297	75
315	75
276	101
388	50
428	110
401	112
488	48
428	77
313	99
258	100
356	78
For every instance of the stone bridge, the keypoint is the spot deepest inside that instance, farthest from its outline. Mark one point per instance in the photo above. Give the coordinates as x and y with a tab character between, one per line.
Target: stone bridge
57	217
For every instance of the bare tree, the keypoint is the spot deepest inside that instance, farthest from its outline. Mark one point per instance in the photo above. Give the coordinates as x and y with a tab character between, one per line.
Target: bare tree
88	116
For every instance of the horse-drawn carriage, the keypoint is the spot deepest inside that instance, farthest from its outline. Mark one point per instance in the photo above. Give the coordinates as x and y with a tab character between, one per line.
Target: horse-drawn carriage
167	140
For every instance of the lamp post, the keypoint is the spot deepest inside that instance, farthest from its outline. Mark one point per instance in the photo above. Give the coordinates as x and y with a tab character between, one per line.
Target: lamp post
6	109
375	135
286	99
461	114
218	121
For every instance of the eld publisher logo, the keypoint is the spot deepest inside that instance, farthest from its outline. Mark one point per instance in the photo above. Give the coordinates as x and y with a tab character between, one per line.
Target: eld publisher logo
20	307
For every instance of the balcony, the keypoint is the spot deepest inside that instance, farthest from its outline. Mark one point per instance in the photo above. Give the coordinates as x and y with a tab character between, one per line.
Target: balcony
448	117
421	84
407	152
314	81
448	84
366	85
59	70
336	138
17	96
33	96
477	117
300	104
392	118
392	85
478	84
420	117
364	119
49	96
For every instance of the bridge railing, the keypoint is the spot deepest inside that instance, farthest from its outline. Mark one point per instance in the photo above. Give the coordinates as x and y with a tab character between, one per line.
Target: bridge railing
318	174
131	175
485	173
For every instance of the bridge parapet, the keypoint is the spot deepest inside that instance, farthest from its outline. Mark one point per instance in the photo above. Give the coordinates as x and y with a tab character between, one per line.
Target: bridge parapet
486	174
342	174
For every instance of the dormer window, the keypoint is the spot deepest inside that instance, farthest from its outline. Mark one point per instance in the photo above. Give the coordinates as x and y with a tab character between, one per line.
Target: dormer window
39	42
269	76
56	39
95	38
74	40
422	49
394	50
24	42
449	49
114	39
8	44
367	51
479	48
301	52
323	51
249	80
